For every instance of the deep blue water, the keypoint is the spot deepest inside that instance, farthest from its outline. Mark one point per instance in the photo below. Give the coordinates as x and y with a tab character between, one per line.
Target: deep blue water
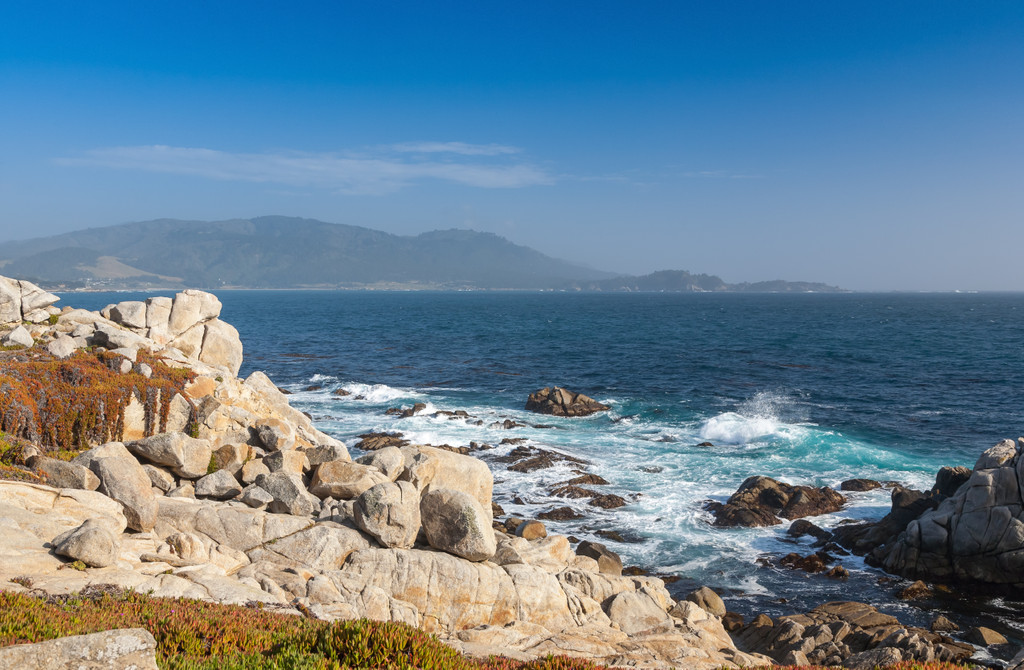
809	388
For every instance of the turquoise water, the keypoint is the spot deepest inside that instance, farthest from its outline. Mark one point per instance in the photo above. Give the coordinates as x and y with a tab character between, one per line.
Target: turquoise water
810	389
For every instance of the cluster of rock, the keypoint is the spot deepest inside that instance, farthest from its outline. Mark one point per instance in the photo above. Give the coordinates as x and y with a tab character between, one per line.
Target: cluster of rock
760	501
259	506
558	401
850	634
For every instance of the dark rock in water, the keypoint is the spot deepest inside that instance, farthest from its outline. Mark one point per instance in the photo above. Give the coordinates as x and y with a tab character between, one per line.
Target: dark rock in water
313	387
375	441
570	491
948	480
529	459
513	440
860	485
558	401
705	444
915	591
848	634
405	413
813	563
284	391
507	424
759	501
652	469
560	514
584	480
985	637
608	562
496	509
941	624
613	535
635	571
838	572
608	501
342	393
802	527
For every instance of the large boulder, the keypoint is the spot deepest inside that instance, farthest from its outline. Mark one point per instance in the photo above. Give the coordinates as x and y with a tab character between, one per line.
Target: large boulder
977	535
454	522
429	468
290	495
558	401
10	300
759	501
123	479
344	480
188	457
93	543
222	347
64	475
191	307
390	512
118	649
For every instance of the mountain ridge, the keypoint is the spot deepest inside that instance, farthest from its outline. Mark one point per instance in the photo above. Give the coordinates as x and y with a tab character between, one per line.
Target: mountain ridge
292	252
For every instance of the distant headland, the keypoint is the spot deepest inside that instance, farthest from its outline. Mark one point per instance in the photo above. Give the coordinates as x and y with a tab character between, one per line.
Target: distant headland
278	252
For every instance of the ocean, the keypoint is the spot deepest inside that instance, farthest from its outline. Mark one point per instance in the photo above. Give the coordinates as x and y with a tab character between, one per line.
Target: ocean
807	388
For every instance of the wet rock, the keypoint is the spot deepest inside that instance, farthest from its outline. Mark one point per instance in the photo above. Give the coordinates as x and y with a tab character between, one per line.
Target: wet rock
915	591
558	401
530	459
985	637
559	514
941	624
860	485
759	501
405	413
813	563
838	572
608	501
802	527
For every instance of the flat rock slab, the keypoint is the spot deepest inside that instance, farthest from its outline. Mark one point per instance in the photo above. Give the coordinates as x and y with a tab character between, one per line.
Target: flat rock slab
123	649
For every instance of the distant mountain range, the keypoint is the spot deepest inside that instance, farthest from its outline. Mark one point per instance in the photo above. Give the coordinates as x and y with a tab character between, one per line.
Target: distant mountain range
286	252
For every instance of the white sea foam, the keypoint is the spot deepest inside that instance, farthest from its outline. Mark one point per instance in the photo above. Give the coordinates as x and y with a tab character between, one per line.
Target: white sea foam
378	393
733	428
320	379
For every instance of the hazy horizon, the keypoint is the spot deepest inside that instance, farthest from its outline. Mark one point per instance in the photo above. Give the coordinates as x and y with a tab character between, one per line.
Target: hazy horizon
876	146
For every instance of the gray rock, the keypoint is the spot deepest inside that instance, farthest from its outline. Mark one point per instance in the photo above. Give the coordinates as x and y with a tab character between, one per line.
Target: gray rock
188	457
62	347
222	347
291	461
123	479
256	497
324	546
18	337
637	611
120	649
131	313
985	637
64	475
290	496
454	522
113	337
220	485
276	434
34	298
707	600
92	543
186	490
145	370
388	460
390	512
874	658
344	480
325	453
158	477
10	300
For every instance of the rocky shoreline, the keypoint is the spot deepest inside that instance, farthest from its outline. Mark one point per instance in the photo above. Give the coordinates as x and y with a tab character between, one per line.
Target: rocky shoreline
216	488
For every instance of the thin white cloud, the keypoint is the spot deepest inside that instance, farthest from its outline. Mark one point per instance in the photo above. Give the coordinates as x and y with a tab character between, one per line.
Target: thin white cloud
362	175
460	148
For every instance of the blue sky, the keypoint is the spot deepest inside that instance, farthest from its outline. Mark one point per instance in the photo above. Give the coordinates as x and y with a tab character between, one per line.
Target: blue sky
873	145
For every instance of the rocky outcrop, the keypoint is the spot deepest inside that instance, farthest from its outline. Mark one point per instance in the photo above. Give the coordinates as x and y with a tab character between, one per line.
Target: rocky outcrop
845	633
977	535
558	401
760	501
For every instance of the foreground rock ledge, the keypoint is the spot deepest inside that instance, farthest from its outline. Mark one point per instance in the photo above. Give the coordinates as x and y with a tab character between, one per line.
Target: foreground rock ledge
119	649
